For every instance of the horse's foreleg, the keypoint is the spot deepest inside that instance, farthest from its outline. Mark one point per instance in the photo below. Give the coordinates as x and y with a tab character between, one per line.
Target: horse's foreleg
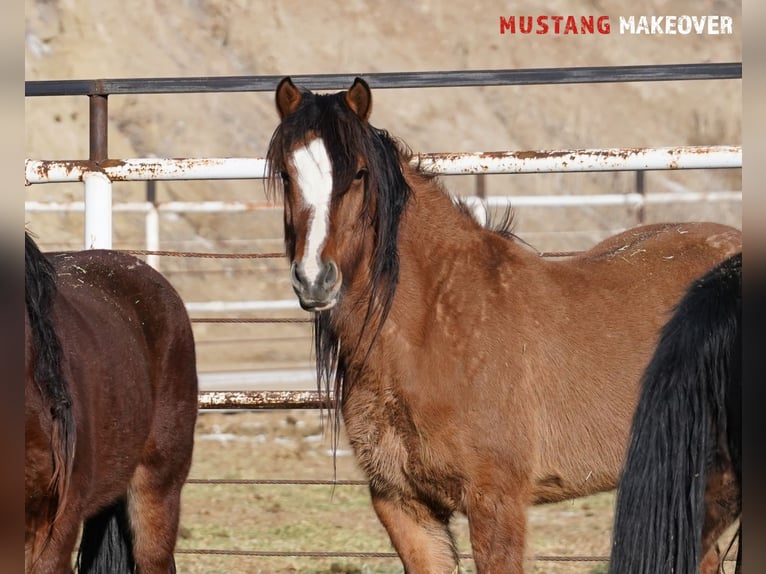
497	526
423	541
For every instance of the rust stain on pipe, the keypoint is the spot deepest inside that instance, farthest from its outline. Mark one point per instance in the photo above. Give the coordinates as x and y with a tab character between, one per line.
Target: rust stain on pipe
246	400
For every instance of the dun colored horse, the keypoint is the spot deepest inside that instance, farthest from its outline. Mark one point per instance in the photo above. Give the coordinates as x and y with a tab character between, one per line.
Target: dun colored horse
472	375
110	405
681	483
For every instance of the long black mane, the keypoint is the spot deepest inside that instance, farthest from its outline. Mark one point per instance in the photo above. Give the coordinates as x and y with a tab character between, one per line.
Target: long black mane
386	193
39	293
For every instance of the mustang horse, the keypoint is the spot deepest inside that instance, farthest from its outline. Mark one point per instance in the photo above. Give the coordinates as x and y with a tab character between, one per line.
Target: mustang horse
110	394
472	375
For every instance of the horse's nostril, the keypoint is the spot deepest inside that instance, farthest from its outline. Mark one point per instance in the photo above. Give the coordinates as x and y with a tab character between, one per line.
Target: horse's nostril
330	275
295	275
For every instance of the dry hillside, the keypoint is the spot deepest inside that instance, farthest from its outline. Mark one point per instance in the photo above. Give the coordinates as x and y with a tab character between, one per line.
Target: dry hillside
92	39
71	39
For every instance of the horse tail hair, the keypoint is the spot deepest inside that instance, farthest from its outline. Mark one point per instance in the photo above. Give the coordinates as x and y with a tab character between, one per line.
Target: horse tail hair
689	391
40	291
106	545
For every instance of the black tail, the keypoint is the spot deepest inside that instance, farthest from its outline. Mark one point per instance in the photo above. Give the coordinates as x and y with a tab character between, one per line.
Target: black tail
39	292
688	412
106	546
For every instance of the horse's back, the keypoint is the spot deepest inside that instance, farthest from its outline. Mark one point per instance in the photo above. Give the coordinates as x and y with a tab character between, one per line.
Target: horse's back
641	273
668	241
134	315
120	280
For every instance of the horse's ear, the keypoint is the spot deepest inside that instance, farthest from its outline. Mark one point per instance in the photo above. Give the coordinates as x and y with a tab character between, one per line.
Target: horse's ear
288	97
359	99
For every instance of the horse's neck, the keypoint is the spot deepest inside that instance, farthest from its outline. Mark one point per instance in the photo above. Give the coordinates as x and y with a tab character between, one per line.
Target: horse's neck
444	254
426	254
438	241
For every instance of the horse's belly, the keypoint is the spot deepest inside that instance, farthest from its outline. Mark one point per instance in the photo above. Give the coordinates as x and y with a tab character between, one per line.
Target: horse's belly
575	467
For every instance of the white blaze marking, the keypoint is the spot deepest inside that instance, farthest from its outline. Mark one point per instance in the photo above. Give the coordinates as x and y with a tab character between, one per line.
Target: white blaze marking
315	182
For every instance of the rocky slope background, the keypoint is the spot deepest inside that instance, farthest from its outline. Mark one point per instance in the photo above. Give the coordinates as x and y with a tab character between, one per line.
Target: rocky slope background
90	39
72	39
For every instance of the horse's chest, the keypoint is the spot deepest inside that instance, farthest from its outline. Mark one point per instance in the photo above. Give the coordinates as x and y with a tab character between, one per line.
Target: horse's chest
392	453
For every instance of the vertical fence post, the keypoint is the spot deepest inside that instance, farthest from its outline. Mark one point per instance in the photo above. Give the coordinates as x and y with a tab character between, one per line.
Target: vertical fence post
640	189
481	185
98	210
152	224
98	187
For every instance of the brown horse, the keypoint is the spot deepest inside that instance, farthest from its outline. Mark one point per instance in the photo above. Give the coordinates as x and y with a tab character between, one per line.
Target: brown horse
681	484
472	375
110	405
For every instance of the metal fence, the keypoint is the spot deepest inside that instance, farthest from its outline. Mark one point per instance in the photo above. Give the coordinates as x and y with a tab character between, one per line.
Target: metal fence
99	171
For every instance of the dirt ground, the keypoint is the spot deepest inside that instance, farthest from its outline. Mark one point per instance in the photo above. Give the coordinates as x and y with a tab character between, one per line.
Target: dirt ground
273	445
290	444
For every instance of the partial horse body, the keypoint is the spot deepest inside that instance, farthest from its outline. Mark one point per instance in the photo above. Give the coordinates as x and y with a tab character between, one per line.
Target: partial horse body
472	375
110	407
681	483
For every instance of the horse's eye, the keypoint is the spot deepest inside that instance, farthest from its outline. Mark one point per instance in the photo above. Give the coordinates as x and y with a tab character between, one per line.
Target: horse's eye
360	174
284	176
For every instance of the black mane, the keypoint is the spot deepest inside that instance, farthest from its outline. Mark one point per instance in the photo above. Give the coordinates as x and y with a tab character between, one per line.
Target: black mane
39	292
347	138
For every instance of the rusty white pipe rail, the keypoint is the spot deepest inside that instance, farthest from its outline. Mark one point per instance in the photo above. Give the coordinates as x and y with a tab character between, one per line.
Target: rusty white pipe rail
631	199
611	159
242	306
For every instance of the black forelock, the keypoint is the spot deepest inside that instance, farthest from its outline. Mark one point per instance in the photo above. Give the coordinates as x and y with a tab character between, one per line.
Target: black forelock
328	117
386	193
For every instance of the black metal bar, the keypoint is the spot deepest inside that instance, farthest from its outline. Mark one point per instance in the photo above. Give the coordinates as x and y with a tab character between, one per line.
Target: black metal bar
151	191
99	122
532	76
640	188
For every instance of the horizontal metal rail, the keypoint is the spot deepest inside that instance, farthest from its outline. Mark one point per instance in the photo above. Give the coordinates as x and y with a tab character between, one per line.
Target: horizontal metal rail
341	554
575	160
433	79
247	400
575	200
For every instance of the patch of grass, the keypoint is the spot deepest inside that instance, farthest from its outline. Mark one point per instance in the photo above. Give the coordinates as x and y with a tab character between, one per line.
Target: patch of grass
321	518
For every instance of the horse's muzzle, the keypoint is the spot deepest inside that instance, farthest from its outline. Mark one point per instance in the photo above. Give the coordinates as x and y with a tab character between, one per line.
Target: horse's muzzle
320	294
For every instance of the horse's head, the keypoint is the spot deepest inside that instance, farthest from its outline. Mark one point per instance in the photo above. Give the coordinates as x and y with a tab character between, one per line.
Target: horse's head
337	172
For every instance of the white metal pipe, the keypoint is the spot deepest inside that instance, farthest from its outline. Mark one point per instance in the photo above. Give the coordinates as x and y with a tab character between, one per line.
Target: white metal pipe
584	160
612	159
226	306
98	210
606	199
153	237
635	199
216	206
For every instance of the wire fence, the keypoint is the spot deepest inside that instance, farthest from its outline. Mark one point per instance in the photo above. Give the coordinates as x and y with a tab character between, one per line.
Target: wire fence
98	90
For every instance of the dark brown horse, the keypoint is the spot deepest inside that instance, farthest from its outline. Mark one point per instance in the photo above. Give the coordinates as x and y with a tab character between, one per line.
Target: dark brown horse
110	405
681	485
472	375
